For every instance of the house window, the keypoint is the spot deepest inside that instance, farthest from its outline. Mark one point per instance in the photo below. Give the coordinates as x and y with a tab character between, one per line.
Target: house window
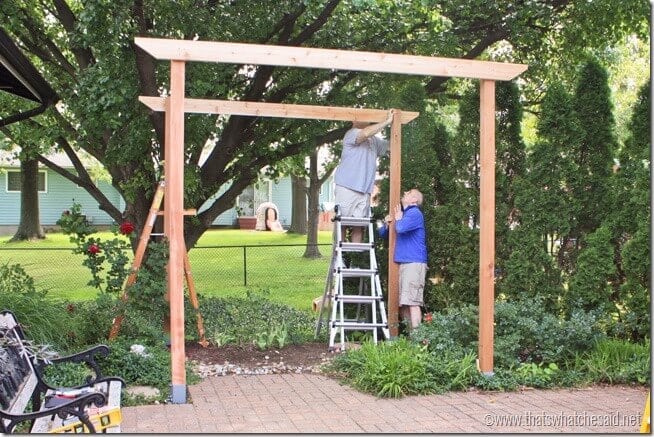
13	181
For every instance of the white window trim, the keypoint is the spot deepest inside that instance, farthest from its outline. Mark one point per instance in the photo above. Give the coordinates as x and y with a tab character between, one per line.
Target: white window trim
45	181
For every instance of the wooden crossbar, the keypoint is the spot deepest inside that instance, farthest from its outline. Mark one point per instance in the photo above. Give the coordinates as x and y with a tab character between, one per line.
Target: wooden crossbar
263	109
351	60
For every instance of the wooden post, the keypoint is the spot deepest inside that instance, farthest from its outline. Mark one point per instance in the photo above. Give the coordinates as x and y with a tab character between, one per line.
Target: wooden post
394	199
486	224
174	226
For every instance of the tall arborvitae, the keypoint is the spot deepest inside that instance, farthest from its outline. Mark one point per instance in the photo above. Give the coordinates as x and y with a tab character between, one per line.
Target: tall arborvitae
596	151
589	288
509	166
544	206
545	203
630	220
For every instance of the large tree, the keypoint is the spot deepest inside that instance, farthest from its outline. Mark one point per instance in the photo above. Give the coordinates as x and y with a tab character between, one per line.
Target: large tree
86	51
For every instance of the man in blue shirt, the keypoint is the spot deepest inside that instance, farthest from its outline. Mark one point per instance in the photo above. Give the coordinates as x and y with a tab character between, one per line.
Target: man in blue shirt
410	254
355	176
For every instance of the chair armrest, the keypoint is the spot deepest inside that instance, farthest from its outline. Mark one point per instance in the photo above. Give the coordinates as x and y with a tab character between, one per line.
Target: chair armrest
74	407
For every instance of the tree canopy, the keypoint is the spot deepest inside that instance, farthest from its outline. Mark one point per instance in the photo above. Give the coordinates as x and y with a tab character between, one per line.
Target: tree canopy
86	51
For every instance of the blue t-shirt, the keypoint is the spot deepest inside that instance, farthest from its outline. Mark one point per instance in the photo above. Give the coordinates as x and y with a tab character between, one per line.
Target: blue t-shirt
410	244
358	165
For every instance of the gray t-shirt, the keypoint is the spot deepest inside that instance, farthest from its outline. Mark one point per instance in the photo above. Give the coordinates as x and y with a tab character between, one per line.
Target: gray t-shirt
358	165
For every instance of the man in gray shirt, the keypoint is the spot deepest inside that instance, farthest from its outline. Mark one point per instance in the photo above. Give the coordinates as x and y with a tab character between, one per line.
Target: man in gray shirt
355	175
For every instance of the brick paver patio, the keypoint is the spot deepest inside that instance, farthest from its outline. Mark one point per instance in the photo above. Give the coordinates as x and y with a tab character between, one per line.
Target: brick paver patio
296	403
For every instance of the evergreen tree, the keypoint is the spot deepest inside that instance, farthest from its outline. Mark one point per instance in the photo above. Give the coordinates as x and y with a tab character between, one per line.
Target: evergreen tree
595	152
589	287
544	201
509	167
530	271
630	221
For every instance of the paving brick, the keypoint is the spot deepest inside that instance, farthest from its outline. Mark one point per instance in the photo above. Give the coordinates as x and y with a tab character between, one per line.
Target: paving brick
306	403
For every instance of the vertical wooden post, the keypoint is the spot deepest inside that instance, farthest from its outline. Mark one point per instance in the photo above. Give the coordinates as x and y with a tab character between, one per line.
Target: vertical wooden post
486	224
174	225
394	199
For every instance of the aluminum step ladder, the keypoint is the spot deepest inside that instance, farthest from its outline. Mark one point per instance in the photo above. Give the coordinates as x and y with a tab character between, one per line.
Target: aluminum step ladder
353	286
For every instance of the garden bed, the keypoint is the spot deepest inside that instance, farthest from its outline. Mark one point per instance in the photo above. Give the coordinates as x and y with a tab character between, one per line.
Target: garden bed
248	359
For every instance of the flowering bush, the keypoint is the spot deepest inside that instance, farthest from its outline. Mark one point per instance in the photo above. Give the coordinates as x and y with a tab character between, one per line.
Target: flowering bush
99	253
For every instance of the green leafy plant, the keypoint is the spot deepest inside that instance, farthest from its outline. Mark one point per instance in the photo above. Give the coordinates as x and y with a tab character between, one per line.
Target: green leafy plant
221	339
281	335
537	375
276	335
263	340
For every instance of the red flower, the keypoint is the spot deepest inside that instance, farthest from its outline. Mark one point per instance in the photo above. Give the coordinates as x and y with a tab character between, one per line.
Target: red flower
93	249
126	228
428	318
70	307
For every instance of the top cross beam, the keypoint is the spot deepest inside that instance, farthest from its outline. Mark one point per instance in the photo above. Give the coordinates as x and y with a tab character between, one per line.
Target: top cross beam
242	53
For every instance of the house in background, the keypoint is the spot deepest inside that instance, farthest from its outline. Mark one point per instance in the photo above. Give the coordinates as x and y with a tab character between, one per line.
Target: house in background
57	194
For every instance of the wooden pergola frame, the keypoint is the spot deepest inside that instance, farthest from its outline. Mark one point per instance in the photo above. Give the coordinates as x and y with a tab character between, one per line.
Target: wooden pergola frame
175	105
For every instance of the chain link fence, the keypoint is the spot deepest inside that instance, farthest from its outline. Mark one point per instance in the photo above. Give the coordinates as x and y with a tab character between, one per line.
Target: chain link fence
280	270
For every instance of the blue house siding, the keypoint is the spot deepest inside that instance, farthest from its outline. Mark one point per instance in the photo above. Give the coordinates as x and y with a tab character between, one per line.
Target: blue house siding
282	196
59	195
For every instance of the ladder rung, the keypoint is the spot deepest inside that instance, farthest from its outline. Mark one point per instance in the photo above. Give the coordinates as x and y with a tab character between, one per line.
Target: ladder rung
355	247
356	273
354	221
355	325
157	234
354	298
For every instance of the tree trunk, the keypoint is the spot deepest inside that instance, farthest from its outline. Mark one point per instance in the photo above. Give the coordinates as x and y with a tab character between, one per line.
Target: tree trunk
299	208
312	250
29	227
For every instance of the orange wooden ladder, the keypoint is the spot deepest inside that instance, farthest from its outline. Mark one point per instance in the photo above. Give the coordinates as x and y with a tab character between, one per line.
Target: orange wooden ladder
138	260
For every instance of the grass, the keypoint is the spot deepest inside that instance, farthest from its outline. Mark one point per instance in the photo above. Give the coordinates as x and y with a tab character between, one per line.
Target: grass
282	271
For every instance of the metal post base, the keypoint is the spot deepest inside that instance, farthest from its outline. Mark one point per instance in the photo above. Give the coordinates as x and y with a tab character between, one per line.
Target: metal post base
178	394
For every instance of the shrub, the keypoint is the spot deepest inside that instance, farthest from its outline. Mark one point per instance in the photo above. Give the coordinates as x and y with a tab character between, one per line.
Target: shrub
246	320
453	331
91	320
523	333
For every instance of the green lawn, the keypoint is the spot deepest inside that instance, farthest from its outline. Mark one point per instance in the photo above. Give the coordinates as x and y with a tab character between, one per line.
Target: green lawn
217	271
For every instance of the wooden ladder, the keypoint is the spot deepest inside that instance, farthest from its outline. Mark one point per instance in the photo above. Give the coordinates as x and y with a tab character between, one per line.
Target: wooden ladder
138	260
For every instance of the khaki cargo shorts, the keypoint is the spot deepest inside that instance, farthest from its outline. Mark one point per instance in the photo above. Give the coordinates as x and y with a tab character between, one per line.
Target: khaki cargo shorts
412	283
352	203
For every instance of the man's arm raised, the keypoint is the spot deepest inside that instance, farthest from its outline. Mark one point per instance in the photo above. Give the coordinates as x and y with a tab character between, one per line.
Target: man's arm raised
373	129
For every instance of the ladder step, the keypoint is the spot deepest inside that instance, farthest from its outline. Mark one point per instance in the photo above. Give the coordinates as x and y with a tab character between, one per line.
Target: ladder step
356	247
356	273
354	221
355	325
354	298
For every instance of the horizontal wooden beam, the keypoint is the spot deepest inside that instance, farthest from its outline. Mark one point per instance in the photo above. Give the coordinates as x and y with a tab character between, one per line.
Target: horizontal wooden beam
258	54
284	110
